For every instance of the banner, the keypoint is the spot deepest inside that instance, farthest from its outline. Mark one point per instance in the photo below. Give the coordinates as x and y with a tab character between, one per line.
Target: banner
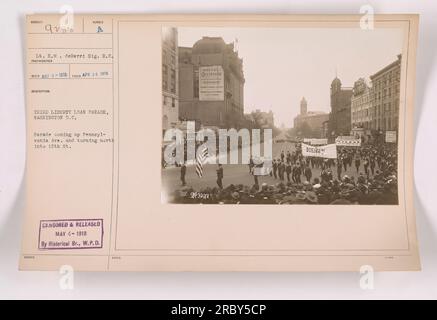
348	141
390	136
211	83
314	141
328	151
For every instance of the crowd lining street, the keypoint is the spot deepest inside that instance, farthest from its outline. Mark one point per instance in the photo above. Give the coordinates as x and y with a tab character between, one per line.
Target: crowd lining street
360	175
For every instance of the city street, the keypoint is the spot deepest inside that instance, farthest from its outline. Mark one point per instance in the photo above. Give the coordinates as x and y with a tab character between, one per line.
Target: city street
233	173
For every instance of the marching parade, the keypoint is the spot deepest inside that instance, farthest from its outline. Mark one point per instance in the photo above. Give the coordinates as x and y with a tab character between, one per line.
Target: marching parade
365	174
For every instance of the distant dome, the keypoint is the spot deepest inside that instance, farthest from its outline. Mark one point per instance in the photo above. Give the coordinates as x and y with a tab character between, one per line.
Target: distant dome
209	45
336	82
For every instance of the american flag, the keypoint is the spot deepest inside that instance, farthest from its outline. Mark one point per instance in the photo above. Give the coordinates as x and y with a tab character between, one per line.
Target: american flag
200	160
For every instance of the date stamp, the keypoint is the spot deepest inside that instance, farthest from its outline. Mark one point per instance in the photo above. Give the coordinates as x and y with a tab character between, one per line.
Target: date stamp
70	234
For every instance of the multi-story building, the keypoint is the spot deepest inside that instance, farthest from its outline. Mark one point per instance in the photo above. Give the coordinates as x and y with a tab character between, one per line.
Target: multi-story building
211	84
361	105
340	116
170	103
312	120
386	96
325	128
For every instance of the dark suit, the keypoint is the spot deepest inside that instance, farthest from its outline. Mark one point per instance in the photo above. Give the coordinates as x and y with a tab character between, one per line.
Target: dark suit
220	177
183	172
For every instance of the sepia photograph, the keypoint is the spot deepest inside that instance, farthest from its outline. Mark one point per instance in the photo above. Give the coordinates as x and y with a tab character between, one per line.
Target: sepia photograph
280	115
221	143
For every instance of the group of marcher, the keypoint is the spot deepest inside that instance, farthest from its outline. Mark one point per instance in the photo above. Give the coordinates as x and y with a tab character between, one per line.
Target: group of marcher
375	180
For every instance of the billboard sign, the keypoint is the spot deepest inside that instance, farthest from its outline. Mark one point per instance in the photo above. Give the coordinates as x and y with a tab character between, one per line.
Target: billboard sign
348	141
211	83
390	136
329	151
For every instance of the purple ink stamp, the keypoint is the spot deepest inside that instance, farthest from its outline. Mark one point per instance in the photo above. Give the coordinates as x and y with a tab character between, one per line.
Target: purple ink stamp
70	234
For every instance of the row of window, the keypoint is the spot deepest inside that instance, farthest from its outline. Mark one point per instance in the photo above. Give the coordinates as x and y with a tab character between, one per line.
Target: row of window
386	93
166	86
387	79
168	58
169	101
380	124
360	114
377	111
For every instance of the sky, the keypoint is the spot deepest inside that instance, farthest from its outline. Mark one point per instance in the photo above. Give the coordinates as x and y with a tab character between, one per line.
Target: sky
282	65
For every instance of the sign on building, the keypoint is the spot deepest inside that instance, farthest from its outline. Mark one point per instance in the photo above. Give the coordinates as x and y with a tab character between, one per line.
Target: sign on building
348	141
314	141
390	136
211	83
328	151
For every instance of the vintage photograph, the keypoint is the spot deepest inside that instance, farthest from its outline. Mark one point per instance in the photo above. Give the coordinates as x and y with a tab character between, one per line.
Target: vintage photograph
280	115
207	142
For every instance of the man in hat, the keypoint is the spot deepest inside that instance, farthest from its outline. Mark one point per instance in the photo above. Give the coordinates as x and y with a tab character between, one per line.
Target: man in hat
344	159
357	163
329	174
366	166
275	168
308	173
288	157
220	176
255	178
372	165
183	172
296	173
288	170
251	164
281	169
339	168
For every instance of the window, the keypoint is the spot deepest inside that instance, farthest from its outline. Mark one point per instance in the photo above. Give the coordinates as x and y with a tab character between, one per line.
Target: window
173	102
196	84
164	77
173	81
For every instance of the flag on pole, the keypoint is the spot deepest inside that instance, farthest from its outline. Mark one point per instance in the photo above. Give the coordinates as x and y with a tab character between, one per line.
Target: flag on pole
200	160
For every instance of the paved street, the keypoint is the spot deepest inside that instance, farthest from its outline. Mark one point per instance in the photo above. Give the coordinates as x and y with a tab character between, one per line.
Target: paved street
233	173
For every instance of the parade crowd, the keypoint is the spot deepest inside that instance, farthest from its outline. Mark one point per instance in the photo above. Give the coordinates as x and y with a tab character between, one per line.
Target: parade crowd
372	179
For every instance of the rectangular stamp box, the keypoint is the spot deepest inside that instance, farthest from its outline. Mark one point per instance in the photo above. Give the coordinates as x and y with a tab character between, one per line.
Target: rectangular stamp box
70	234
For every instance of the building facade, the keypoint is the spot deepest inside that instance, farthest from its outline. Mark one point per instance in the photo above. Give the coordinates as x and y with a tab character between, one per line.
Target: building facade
386	97
170	90
361	105
325	128
309	123
226	112
340	116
